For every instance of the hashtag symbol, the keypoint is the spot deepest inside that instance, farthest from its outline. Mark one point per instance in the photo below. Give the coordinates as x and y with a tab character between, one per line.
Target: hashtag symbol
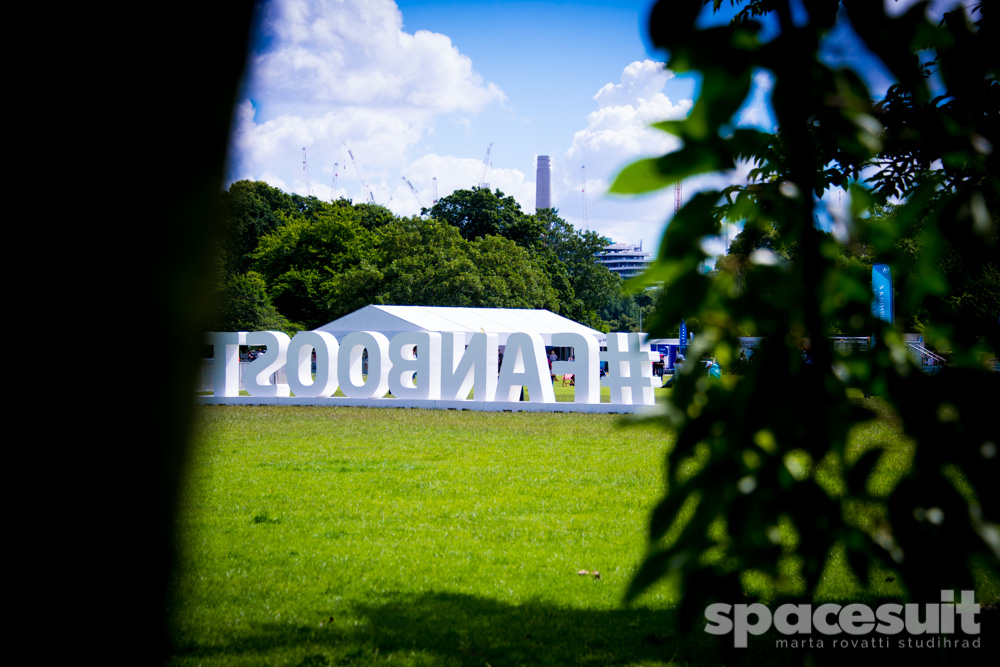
630	369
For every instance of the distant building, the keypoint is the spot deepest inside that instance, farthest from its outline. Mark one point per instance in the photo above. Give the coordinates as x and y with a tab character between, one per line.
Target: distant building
625	259
543	187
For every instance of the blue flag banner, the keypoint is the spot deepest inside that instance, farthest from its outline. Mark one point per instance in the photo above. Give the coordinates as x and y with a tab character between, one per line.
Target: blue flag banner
882	291
684	338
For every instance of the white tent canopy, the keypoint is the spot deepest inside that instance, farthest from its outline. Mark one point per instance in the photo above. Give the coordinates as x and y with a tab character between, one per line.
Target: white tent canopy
390	320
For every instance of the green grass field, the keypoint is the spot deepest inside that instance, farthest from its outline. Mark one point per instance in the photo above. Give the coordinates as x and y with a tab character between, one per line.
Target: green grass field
326	536
427	537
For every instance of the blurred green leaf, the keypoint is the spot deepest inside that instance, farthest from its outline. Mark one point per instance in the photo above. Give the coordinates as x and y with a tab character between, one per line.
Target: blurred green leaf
919	172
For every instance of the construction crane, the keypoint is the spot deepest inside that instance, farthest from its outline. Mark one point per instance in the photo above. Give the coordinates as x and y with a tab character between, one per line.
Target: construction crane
333	191
435	191
305	168
583	192
483	183
413	190
357	168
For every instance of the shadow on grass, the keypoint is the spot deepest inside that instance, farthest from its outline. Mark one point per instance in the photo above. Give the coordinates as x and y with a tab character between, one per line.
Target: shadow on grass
457	629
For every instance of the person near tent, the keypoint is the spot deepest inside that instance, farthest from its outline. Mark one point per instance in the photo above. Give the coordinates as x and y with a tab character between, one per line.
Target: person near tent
678	363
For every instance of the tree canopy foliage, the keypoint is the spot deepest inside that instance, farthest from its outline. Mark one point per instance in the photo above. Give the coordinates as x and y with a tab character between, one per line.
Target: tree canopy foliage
478	212
318	261
748	450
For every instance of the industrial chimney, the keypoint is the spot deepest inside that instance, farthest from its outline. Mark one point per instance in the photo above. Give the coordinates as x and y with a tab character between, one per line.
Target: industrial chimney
543	189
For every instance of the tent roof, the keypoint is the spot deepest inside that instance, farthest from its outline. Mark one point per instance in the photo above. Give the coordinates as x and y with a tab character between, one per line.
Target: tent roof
390	320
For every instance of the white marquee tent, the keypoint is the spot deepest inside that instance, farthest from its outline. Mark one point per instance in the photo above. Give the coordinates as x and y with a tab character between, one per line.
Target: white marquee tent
390	320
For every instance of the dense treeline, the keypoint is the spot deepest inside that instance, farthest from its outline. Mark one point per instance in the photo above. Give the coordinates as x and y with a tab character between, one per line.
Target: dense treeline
290	262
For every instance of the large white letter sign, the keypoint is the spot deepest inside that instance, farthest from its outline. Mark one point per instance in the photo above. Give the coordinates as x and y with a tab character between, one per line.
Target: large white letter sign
584	369
257	378
226	361
425	365
430	369
473	368
630	369
349	371
300	350
524	365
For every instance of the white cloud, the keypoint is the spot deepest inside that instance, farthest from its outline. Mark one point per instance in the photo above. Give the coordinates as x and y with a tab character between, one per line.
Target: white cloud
618	132
640	81
355	53
330	72
376	137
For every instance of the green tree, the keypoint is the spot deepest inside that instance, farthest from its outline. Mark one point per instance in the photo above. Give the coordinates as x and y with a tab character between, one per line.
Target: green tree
302	259
511	276
246	306
479	212
372	216
353	288
584	285
747	505
323	260
250	210
427	262
634	311
321	267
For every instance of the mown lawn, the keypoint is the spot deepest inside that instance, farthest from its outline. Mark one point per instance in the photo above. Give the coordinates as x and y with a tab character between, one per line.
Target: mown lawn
325	536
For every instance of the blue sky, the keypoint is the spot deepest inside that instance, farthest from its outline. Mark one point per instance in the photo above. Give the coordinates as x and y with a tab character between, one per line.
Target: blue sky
418	89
